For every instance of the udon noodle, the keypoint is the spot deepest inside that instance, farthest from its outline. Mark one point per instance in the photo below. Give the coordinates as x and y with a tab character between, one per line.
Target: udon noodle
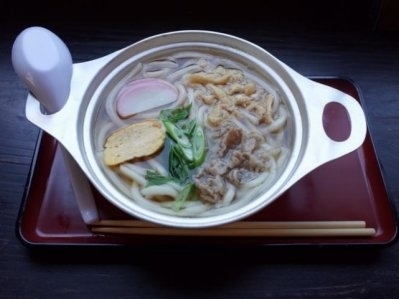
244	121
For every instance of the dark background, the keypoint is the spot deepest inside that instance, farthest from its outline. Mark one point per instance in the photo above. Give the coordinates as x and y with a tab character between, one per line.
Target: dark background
312	14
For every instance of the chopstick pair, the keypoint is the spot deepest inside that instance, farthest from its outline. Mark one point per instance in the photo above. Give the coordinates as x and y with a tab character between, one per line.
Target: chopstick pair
241	229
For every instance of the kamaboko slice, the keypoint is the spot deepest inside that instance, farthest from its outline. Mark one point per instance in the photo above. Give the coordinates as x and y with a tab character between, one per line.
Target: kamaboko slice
143	95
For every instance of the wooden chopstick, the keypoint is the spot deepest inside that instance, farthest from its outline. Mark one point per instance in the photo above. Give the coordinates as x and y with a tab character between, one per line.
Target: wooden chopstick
241	229
268	232
245	224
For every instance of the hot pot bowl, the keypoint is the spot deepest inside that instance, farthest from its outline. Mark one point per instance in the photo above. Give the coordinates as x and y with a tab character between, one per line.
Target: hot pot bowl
76	125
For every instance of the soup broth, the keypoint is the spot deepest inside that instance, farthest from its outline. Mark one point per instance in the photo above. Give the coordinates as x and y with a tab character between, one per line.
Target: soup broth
227	133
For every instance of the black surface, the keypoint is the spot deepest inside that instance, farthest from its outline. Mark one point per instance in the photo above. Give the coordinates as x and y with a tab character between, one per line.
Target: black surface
342	43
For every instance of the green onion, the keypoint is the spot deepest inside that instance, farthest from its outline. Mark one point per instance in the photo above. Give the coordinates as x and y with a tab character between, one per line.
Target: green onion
198	141
177	134
187	151
188	128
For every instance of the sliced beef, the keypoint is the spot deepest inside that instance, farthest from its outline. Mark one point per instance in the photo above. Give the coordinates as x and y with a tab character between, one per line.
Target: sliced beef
210	188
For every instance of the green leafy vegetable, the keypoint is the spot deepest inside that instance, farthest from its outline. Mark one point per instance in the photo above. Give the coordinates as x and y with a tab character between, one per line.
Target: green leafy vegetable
178	167
187	151
186	193
155	178
187	134
180	138
188	128
175	115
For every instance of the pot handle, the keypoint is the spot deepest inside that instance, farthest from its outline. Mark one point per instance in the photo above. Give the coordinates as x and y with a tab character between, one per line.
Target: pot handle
60	124
320	147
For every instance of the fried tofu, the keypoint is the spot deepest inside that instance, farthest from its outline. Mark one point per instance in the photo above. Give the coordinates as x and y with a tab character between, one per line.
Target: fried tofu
137	140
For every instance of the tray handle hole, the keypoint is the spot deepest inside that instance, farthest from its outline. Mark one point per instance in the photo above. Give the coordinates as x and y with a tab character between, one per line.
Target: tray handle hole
336	121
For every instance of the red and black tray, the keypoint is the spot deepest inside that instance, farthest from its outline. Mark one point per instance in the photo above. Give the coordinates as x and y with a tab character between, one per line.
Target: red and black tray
349	188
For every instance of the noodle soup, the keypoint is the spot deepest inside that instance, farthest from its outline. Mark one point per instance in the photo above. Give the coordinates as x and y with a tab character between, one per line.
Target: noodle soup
226	134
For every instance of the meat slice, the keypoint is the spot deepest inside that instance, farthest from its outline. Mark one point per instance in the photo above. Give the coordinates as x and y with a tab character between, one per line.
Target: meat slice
252	141
231	139
210	188
238	176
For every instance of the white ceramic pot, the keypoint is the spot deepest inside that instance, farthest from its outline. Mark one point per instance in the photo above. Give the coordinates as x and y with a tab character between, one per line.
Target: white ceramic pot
73	122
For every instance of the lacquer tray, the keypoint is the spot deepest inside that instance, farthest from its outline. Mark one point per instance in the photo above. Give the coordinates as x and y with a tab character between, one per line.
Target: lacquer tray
349	188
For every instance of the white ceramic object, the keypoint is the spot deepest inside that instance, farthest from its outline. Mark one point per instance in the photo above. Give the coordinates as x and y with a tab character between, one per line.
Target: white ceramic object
311	146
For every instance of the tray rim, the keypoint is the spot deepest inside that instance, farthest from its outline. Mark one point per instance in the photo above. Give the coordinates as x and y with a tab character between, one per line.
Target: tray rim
393	210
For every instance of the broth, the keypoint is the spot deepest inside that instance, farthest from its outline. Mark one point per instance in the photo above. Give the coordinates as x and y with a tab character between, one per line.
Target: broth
231	144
